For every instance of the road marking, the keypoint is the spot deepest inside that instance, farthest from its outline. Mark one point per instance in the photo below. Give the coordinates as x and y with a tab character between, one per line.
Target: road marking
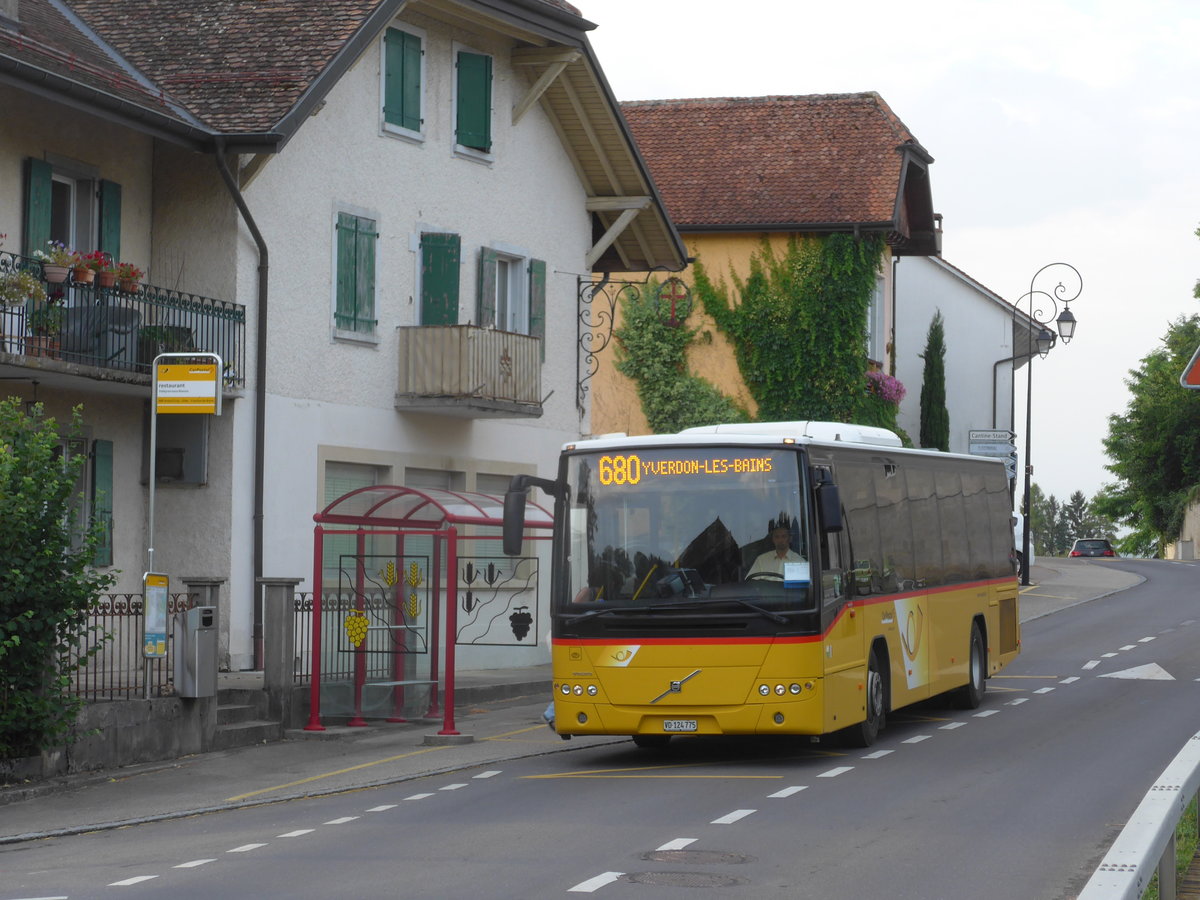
986	713
384	808
1128	647
1018	701
1148	672
878	754
592	884
677	844
917	739
1146	640
452	787
137	879
245	848
1071	680
952	725
490	774
736	815
194	863
299	832
1108	655
342	821
834	773
418	796
1044	690
1091	664
309	780
788	791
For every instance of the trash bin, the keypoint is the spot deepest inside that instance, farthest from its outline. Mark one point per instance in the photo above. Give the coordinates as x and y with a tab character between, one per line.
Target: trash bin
196	652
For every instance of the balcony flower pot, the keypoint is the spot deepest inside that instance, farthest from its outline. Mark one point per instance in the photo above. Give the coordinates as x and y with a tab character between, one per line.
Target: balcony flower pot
55	274
83	275
106	279
128	285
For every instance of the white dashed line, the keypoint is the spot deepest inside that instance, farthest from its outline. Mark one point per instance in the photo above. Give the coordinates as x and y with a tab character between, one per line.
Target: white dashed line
193	864
736	815
878	754
1044	690
342	821
834	773
137	879
1091	664
1108	655
1146	640
592	884
452	787
677	844
985	713
384	808
245	848
950	726
1018	701
917	739
1128	647
788	792
299	832
1071	680
491	774
418	796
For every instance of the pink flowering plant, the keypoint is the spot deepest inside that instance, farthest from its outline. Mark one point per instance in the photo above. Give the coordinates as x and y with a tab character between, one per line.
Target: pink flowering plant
885	387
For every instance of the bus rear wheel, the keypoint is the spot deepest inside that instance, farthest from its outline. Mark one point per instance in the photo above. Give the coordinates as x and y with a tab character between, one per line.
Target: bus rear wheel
970	695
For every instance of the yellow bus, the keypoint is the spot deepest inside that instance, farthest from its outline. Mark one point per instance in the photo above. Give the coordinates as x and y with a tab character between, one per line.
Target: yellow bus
798	578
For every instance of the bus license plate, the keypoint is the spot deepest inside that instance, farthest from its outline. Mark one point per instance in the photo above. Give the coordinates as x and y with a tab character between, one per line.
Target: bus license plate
679	724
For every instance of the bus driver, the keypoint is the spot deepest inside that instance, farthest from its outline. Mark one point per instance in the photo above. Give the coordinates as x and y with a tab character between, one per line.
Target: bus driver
771	562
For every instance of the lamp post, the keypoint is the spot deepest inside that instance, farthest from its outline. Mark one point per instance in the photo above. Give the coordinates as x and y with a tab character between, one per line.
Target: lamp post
1045	321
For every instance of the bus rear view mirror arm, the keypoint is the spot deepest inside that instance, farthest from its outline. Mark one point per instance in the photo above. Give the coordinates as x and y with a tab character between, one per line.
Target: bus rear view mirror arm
514	508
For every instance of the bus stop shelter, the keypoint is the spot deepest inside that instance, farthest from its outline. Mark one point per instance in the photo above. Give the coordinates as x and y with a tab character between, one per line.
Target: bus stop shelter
395	601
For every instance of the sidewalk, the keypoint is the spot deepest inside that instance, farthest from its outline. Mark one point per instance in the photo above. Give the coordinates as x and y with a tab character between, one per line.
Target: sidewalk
499	715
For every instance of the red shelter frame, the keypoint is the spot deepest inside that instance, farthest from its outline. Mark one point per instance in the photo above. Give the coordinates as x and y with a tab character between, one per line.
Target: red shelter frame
404	511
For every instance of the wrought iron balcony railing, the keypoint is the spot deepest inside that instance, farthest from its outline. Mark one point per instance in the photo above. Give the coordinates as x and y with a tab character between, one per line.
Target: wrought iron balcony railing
121	328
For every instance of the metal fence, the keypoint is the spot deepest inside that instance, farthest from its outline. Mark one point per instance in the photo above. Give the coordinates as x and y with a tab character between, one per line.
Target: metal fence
116	668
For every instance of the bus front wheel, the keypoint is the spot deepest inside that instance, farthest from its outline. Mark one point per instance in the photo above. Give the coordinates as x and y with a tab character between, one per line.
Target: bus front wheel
970	695
864	733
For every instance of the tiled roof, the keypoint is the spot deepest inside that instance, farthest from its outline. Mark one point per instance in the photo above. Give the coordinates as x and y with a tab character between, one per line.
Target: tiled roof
825	159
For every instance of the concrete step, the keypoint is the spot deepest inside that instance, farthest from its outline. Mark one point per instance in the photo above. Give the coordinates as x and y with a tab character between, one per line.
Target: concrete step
244	734
238	713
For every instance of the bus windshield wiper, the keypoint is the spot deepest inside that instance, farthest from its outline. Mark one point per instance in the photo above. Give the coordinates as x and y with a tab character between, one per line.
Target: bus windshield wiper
773	616
607	610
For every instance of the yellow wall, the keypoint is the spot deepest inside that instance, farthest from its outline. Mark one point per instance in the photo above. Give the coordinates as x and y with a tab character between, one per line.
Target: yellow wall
615	404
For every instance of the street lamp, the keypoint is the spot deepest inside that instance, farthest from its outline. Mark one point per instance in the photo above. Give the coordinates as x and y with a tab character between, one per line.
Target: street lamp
1045	321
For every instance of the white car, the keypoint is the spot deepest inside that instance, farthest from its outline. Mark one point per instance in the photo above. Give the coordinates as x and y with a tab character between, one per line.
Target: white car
1018	539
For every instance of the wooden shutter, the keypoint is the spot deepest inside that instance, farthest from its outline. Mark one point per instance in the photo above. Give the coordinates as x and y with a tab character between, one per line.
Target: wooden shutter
346	242
110	219
102	492
537	303
474	125
485	312
354	308
402	79
439	278
37	205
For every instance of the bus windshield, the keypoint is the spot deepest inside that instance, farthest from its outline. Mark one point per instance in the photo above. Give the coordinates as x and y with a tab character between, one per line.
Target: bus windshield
663	529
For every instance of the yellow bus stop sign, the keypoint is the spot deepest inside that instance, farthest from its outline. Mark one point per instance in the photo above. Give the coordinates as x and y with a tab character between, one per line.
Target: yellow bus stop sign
188	388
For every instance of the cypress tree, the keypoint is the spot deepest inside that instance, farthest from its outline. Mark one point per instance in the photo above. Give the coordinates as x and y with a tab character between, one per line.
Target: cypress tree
935	418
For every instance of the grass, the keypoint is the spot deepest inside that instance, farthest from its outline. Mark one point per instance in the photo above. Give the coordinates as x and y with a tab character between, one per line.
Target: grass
1185	850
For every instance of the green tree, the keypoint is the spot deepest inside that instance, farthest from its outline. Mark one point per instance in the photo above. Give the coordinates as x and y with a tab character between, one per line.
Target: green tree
47	585
935	417
1155	446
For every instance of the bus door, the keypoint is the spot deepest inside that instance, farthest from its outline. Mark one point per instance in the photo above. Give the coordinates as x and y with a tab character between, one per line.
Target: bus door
843	654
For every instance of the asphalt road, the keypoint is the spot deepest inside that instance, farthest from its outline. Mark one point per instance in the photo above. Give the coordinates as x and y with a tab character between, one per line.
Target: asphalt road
1019	798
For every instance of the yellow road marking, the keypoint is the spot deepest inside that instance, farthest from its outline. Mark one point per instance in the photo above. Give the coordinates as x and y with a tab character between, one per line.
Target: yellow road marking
312	778
603	775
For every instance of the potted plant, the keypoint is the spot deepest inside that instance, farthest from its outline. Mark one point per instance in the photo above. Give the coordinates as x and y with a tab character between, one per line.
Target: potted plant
128	276
102	265
57	261
46	321
86	266
19	287
156	339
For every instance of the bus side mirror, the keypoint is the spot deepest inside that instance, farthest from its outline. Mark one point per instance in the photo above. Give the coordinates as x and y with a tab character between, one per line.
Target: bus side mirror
514	521
829	506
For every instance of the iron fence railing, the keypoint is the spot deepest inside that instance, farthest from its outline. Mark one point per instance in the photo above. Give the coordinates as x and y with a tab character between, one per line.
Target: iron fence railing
117	327
379	649
117	670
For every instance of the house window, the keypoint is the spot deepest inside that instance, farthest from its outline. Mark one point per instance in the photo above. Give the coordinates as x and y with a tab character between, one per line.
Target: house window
354	309
403	82
473	102
65	203
512	293
876	336
440	254
339	550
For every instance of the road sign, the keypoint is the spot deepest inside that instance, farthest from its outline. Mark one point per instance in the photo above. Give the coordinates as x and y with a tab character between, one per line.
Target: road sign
988	436
1190	378
991	448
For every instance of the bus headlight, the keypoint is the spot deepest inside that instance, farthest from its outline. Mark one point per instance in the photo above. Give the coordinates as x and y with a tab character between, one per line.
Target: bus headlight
765	690
566	689
794	688
780	690
592	690
578	690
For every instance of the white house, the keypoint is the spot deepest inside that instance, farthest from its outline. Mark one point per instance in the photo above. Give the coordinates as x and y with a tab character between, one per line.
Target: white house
377	212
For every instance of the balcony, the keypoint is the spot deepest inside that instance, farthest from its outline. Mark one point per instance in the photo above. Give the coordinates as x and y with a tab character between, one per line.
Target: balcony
113	334
469	372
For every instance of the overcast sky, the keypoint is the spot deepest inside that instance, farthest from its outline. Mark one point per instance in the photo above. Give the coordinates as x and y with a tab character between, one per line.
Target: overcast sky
1062	130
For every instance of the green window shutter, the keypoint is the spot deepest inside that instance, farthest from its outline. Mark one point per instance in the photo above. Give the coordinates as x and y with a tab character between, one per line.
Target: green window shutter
37	205
474	125
537	302
402	79
485	313
110	219
102	492
440	255
354	307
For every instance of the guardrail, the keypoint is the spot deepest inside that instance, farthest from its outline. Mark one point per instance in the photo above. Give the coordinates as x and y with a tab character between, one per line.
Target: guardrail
1147	842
